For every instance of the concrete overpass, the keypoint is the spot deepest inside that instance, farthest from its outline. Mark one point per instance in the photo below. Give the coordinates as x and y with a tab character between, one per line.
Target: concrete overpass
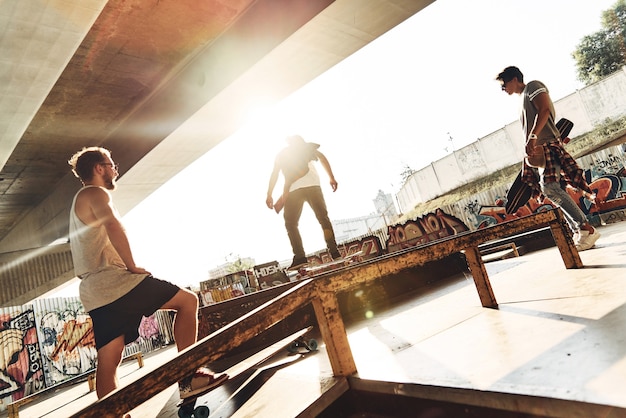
159	82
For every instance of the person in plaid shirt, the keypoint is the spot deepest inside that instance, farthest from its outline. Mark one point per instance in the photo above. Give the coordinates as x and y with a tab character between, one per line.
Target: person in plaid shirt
548	168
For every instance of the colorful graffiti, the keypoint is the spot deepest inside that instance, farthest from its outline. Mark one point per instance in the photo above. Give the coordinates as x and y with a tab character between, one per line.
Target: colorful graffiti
368	246
606	176
270	274
67	341
155	331
430	227
52	340
226	287
21	368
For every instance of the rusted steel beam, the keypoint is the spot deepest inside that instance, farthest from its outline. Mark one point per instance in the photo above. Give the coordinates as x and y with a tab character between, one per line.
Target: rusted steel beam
322	296
565	243
481	280
207	350
467	242
333	332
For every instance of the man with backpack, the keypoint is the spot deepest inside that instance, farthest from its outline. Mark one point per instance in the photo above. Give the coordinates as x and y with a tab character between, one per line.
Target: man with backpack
302	184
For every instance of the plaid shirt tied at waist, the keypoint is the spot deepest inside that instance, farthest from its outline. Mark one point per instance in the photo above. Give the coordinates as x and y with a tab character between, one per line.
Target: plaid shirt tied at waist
556	158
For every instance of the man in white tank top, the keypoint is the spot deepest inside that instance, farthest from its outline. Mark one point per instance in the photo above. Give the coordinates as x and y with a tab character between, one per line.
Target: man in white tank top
114	290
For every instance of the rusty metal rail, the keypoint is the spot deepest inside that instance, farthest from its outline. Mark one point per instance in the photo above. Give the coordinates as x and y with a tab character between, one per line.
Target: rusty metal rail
322	292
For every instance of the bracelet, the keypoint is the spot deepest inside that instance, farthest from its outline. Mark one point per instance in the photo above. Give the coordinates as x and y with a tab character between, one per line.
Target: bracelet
532	136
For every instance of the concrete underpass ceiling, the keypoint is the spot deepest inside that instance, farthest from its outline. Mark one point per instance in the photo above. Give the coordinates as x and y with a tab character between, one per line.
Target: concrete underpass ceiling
159	82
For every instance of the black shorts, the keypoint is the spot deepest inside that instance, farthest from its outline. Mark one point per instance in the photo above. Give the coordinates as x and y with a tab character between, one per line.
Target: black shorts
123	316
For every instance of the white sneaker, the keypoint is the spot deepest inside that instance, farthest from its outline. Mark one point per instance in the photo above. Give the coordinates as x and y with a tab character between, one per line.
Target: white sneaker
587	240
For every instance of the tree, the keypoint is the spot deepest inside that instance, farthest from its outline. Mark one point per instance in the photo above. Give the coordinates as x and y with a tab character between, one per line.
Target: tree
603	52
406	173
237	264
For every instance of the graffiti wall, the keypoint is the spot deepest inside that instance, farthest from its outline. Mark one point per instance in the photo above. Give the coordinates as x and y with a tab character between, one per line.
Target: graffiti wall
227	287
605	171
21	366
270	274
367	247
430	227
155	331
66	338
51	340
606	175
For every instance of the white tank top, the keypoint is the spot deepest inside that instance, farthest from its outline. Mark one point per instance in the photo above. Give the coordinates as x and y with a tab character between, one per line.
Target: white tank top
103	274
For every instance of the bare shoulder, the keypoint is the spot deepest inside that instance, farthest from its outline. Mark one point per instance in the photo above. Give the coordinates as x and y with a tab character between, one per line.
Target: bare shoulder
93	194
93	205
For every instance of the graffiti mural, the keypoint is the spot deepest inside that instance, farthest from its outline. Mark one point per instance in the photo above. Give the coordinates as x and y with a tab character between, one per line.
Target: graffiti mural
21	368
270	274
67	340
605	172
603	164
488	215
52	340
368	246
155	331
430	227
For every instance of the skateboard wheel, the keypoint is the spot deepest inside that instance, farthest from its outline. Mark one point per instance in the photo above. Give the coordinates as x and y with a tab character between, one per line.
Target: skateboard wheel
312	344
185	412
201	412
293	347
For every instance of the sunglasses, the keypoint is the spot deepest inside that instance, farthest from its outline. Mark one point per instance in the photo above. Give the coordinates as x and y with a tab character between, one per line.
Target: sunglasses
113	166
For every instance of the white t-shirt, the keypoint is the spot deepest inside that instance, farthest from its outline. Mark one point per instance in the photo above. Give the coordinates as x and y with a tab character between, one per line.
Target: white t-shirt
311	178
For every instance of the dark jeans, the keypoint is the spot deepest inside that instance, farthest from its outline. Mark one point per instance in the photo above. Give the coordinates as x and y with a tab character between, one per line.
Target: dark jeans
293	210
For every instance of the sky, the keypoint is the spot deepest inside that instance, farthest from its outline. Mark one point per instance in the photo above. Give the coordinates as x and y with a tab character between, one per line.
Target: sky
407	99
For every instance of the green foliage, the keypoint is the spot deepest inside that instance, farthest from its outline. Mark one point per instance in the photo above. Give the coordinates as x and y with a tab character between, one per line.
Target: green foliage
603	52
609	129
237	264
406	173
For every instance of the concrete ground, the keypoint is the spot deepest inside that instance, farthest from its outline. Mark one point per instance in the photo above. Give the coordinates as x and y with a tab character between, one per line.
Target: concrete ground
558	333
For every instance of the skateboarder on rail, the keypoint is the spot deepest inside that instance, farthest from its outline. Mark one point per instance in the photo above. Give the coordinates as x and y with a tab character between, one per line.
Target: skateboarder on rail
113	289
543	143
302	184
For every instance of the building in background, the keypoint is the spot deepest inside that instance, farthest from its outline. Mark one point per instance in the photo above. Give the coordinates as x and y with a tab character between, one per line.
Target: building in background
386	214
241	263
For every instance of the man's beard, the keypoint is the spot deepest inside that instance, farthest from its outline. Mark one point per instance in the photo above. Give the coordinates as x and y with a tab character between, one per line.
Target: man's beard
110	183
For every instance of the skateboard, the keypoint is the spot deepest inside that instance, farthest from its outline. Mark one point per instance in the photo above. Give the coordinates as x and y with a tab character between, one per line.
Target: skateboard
309	270
296	349
520	192
187	407
518	195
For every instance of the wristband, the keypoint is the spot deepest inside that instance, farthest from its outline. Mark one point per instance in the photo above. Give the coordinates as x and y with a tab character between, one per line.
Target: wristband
532	136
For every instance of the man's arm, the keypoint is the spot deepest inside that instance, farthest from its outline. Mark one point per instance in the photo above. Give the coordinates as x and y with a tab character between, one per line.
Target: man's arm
542	104
269	201
324	161
104	213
